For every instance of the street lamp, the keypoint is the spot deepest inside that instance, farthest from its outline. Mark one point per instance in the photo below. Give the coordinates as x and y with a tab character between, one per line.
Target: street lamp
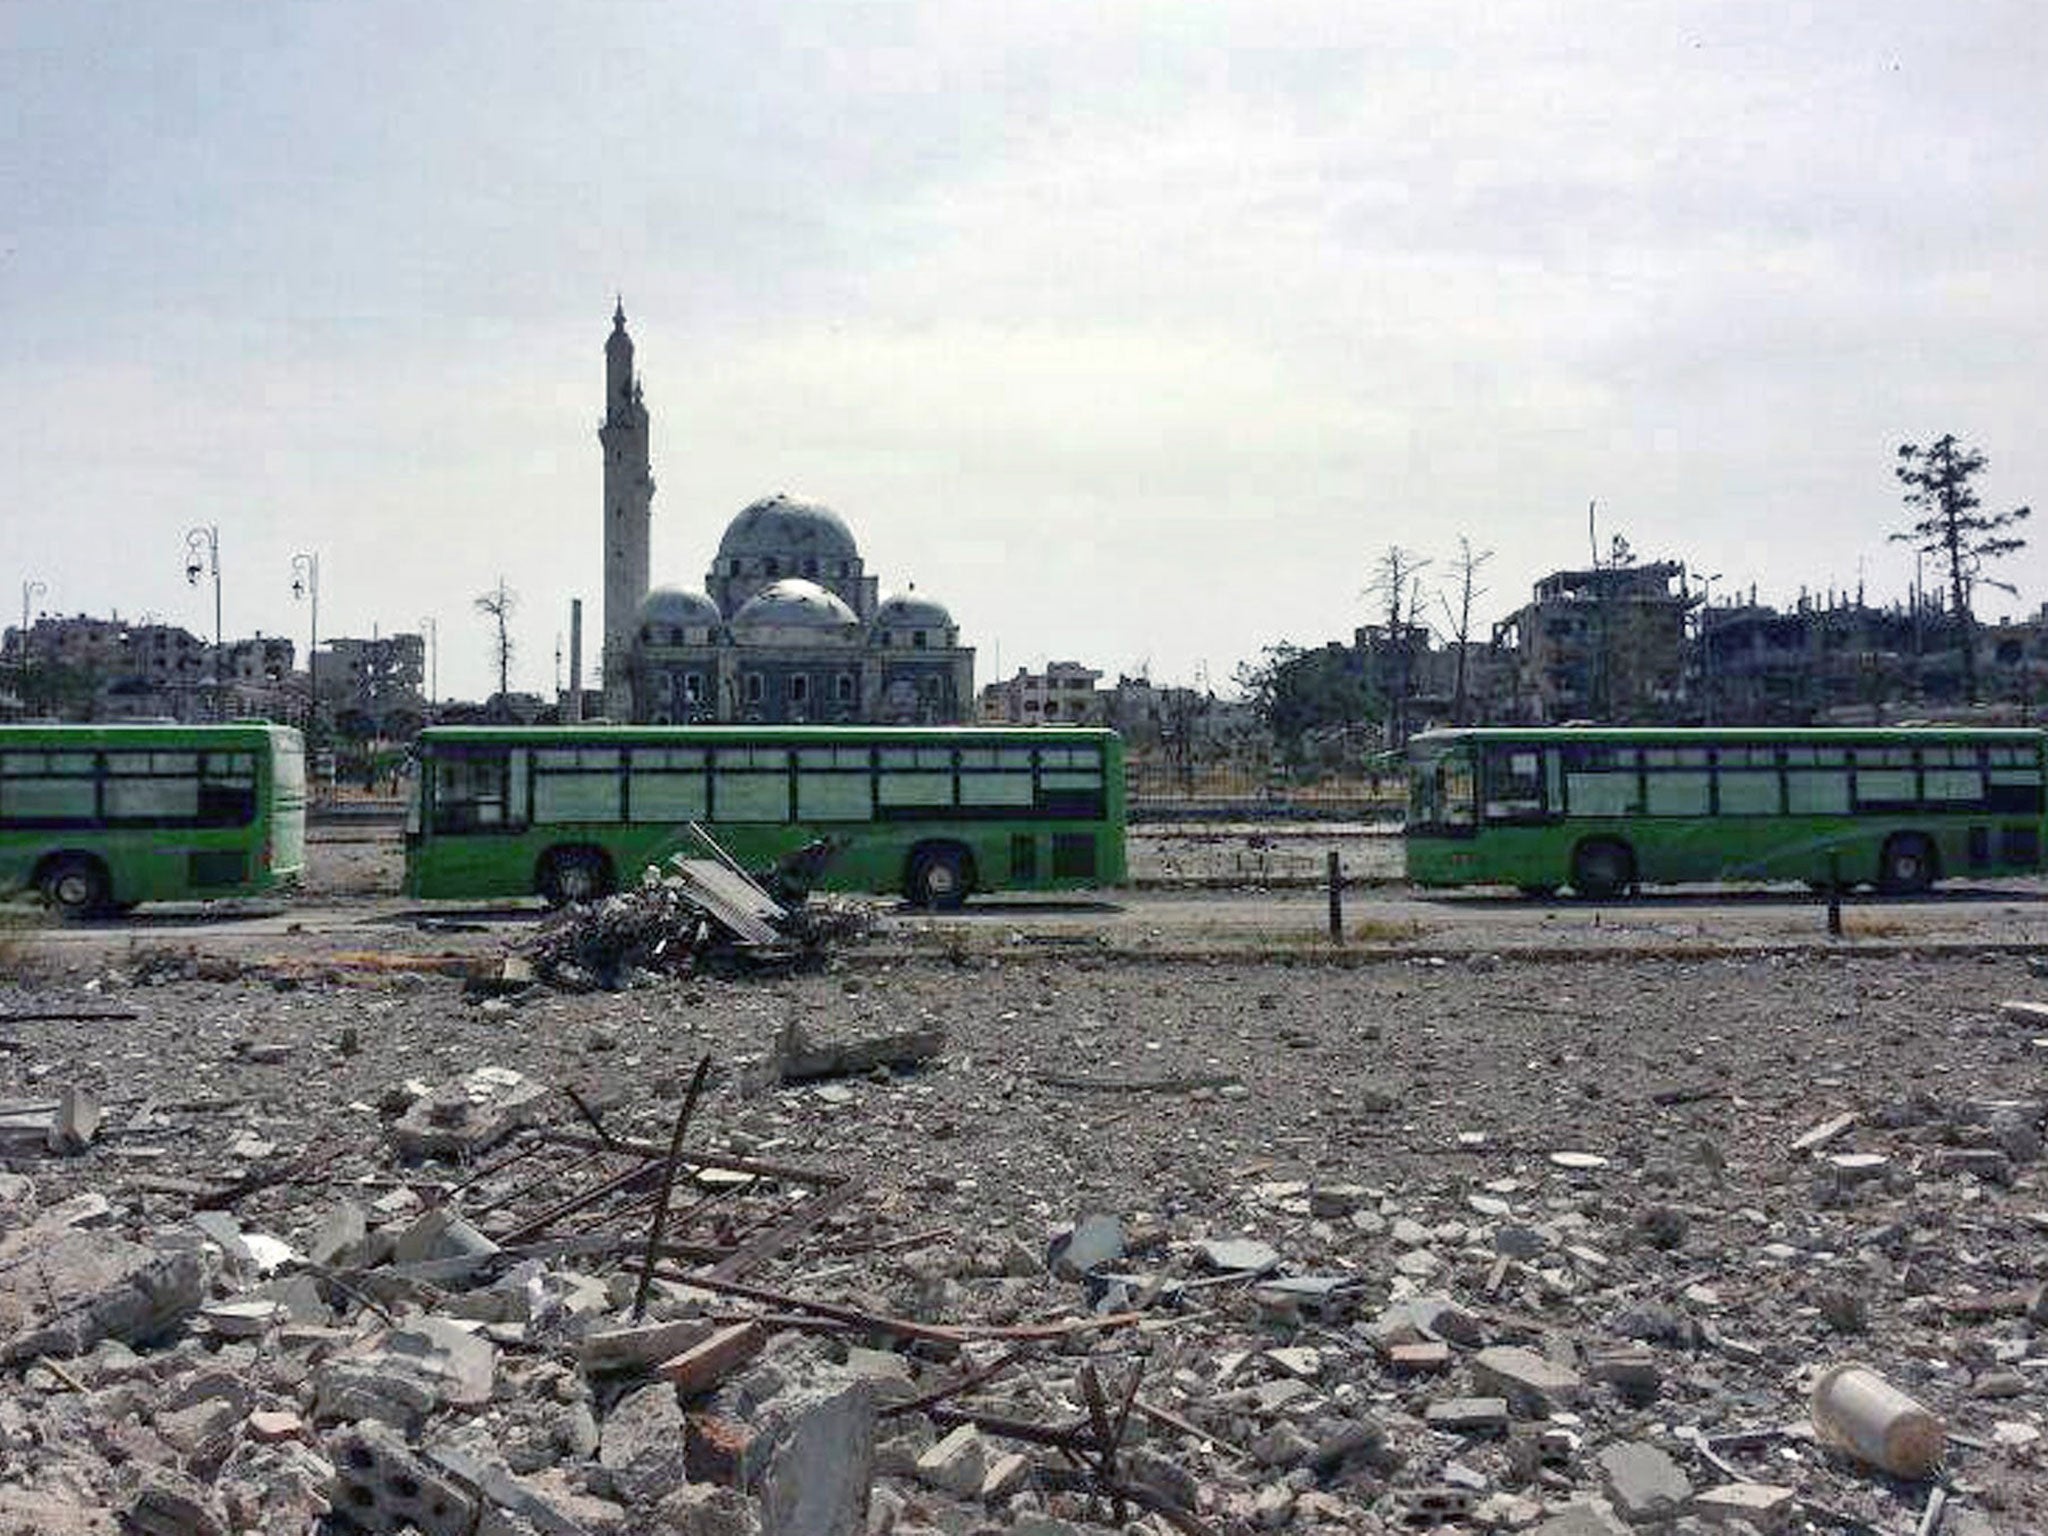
306	584
202	558
432	630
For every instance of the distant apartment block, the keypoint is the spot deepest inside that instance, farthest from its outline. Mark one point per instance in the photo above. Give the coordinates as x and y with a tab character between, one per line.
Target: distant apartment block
1063	694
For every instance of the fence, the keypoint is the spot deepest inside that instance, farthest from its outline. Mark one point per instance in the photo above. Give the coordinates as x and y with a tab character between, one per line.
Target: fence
1171	792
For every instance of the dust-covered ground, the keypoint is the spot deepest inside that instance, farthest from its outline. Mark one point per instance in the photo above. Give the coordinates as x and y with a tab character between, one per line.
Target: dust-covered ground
1391	1129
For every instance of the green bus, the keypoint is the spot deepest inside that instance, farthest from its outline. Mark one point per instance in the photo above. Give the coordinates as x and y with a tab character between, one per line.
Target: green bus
100	817
569	813
1607	810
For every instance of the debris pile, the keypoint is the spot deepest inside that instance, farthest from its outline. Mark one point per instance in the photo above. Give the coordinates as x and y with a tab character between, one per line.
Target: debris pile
995	1252
705	913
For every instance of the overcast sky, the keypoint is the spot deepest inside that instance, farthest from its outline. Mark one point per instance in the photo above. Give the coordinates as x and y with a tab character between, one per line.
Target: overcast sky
1133	331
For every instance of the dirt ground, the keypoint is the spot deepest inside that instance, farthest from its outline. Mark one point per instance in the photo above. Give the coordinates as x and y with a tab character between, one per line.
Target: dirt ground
1203	1100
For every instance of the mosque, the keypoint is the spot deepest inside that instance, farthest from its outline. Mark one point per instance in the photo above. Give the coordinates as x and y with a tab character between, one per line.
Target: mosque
789	628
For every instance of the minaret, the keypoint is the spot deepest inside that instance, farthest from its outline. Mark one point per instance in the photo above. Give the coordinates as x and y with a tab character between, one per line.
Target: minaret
628	495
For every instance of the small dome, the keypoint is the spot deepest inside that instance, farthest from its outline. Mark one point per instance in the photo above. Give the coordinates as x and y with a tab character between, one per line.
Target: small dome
783	527
673	608
912	610
794	604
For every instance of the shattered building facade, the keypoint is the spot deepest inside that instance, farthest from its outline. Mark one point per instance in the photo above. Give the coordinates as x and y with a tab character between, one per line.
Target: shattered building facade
790	627
1608	644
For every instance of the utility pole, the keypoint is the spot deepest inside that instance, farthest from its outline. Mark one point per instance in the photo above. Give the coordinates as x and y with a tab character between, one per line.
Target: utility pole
432	631
306	584
202	550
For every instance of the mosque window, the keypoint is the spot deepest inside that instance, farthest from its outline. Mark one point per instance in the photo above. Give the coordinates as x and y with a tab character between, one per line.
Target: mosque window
757	687
810	567
917	639
732	568
799	689
771	566
843	687
693	687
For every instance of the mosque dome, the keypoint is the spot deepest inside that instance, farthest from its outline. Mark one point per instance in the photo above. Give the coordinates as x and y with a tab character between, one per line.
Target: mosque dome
794	609
911	612
667	614
786	528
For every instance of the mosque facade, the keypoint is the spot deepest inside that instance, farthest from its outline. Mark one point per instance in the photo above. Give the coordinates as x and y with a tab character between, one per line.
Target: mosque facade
789	627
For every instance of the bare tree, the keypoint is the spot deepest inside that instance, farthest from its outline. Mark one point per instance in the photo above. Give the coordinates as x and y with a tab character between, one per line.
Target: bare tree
1397	582
497	605
1937	481
1461	619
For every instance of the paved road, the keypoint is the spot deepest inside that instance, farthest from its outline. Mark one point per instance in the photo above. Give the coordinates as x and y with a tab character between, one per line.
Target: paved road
2004	914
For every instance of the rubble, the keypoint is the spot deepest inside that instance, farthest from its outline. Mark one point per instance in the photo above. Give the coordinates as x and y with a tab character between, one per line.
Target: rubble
965	1297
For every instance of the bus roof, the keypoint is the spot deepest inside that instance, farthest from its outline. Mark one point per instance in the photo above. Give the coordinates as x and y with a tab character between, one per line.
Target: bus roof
807	735
1695	735
114	733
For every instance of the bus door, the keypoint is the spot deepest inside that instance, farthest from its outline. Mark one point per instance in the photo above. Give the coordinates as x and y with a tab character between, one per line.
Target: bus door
1444	793
1515	781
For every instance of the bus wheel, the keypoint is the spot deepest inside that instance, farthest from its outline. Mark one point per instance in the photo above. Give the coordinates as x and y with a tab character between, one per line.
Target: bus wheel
1907	866
938	879
573	874
75	885
1601	870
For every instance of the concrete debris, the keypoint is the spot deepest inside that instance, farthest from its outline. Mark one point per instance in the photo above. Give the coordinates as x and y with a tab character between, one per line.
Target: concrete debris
1281	1312
468	1116
703	916
801	1056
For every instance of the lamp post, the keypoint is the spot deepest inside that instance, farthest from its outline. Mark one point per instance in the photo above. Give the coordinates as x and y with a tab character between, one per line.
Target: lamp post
432	630
202	558
306	584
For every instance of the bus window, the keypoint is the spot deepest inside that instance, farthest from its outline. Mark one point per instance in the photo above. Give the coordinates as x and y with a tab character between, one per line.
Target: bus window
471	792
751	784
575	784
1514	783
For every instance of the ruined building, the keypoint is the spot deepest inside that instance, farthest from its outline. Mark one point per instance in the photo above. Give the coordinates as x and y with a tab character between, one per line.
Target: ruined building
790	627
1605	644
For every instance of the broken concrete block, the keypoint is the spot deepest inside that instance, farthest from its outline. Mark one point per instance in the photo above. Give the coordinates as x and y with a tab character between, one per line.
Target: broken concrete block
440	1234
1468	1415
62	1293
75	1121
704	1365
168	1503
704	1510
1237	1254
819	1475
1531	1384
343	1238
1096	1239
1645	1484
467	1116
198	1427
382	1487
956	1463
1762	1505
641	1445
462	1366
799	1057
639	1345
